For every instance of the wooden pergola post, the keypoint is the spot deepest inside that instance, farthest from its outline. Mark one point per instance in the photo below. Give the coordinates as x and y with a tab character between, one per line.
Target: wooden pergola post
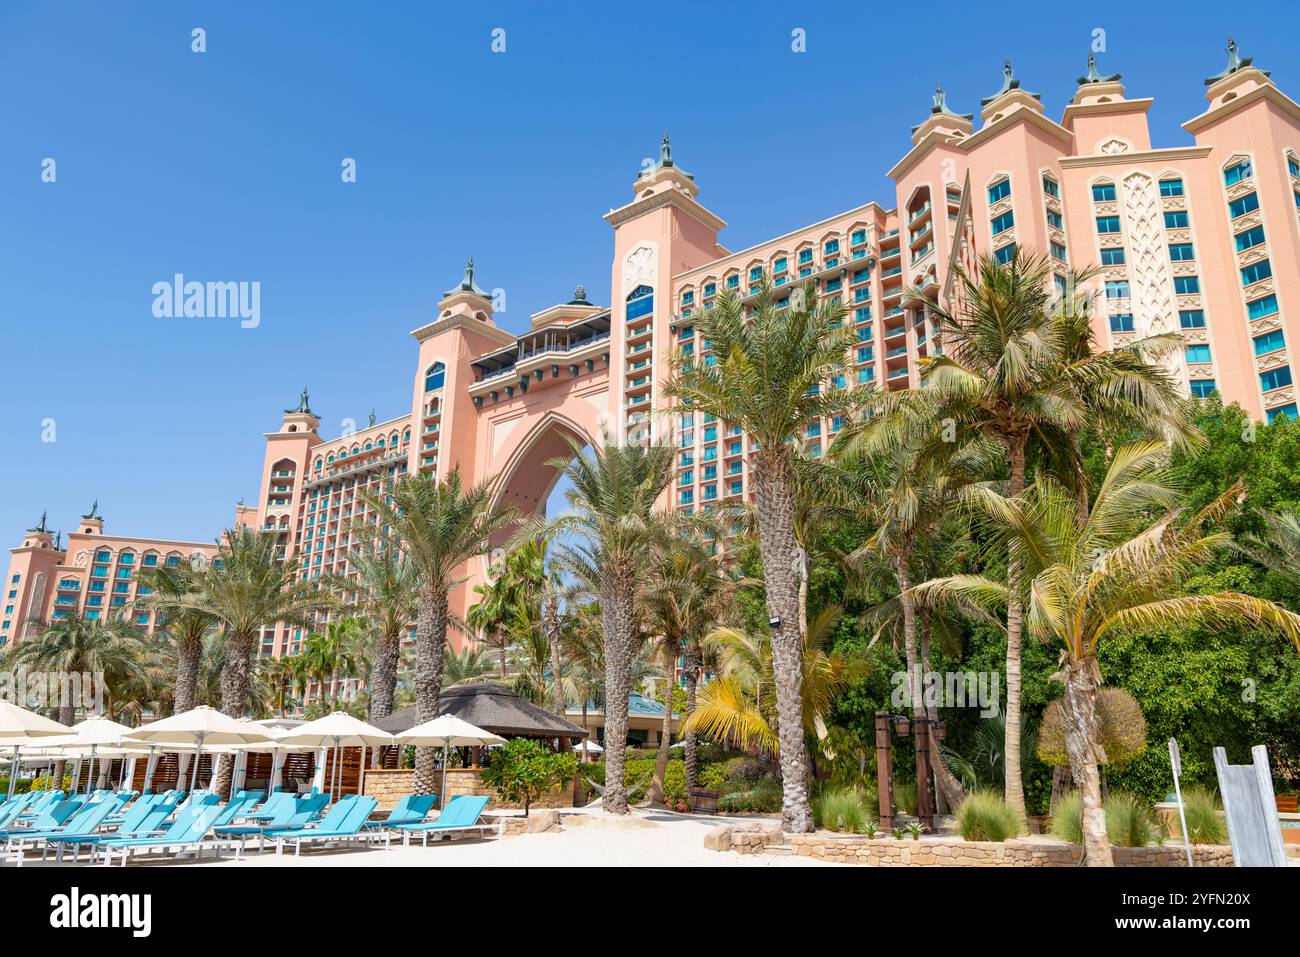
884	769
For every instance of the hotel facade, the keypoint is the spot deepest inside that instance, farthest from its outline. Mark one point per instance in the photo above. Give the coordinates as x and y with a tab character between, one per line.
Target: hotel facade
1199	240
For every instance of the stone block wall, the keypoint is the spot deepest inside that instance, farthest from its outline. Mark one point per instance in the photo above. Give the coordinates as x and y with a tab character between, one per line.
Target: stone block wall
387	785
755	838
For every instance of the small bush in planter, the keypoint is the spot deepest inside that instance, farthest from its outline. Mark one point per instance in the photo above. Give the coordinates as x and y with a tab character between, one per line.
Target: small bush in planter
985	816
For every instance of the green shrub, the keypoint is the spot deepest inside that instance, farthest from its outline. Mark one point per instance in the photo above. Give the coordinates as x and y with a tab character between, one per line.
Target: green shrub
764	798
842	809
1130	821
905	797
523	770
985	816
1204	817
1067	818
634	771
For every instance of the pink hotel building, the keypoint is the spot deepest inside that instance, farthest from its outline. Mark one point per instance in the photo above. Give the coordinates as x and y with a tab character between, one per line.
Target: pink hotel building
1200	239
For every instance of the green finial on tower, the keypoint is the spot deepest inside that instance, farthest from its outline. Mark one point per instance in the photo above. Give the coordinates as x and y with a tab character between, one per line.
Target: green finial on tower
40	526
1235	62
94	510
303	404
1009	83
467	284
1094	75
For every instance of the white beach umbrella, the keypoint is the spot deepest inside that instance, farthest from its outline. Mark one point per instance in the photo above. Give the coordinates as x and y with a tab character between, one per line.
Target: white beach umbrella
93	734
200	726
589	745
450	732
19	727
275	747
339	730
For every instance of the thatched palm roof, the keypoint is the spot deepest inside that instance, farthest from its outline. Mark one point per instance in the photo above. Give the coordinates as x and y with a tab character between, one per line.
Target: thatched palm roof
493	708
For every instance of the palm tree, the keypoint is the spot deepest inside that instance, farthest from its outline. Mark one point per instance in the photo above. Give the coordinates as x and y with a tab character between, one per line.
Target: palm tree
615	525
331	655
684	599
1016	368
1277	548
775	374
741	704
161	588
439	526
246	588
387	586
904	497
78	644
1115	572
469	666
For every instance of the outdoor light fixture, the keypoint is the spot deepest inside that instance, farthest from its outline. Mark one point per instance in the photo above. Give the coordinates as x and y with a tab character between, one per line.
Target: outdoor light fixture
774	621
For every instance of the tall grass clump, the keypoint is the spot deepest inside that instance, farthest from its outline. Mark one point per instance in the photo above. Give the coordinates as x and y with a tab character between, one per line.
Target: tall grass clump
1129	820
842	809
986	816
1204	817
1067	818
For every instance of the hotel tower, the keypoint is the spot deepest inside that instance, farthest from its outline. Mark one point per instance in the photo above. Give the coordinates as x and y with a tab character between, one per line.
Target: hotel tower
1201	240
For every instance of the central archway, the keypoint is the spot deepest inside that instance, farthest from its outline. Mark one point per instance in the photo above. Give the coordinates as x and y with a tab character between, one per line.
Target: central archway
523	478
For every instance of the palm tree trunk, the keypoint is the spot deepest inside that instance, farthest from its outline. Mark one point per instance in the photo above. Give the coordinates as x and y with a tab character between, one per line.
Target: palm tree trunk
430	649
236	679
616	619
383	684
659	783
188	653
552	621
1014	787
948	790
1079	711
66	715
780	553
692	685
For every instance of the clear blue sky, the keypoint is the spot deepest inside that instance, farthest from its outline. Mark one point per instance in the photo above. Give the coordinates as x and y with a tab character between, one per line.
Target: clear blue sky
225	166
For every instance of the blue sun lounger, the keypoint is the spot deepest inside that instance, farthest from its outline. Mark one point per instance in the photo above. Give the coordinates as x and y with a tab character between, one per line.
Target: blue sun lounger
84	821
186	832
343	823
294	813
409	809
145	817
274	804
50	819
461	814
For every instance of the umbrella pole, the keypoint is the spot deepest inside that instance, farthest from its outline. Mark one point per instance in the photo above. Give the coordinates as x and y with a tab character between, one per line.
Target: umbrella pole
13	773
442	798
194	771
148	771
90	768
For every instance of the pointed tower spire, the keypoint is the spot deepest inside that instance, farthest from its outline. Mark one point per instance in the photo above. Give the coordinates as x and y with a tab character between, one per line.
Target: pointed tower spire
939	104
94	510
1009	83
39	526
467	283
303	404
1235	62
665	160
372	416
1095	76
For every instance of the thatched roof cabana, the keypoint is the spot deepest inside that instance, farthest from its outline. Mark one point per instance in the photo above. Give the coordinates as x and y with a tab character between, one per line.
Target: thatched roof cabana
493	708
